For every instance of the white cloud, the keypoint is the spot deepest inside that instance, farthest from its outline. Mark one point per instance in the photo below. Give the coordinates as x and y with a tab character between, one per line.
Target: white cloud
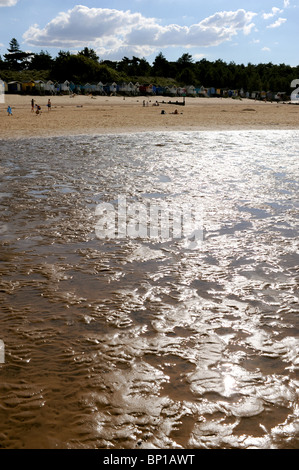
286	3
113	31
266	49
8	3
199	56
275	11
277	23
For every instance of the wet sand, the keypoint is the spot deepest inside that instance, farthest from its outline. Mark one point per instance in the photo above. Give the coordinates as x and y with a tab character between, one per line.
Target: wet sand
144	343
104	115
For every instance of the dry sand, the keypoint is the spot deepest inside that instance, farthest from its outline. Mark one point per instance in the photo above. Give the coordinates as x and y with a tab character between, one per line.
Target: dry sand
102	115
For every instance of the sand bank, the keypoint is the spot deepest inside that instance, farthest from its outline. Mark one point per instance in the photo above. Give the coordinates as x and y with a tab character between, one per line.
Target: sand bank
102	115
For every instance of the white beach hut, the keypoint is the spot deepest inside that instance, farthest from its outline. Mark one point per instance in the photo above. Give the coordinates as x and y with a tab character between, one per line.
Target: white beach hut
49	87
65	87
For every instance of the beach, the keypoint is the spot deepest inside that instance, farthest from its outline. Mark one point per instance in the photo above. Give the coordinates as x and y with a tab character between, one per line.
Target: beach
114	114
149	274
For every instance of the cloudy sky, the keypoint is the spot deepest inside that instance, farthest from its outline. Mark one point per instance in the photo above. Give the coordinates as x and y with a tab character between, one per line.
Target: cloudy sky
239	31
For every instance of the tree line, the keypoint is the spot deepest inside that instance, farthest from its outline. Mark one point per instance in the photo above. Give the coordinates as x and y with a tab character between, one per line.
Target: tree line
86	66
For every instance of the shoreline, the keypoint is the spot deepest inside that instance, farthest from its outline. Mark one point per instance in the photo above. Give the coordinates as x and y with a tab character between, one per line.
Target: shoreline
104	115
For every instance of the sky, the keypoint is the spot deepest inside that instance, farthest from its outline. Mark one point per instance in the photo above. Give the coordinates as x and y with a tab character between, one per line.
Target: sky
233	31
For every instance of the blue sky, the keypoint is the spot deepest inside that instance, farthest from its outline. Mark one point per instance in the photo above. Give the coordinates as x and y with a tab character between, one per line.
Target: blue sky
236	31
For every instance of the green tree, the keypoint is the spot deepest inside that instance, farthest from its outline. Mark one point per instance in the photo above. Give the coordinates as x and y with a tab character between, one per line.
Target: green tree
41	61
89	53
185	61
134	67
16	59
161	66
186	77
255	82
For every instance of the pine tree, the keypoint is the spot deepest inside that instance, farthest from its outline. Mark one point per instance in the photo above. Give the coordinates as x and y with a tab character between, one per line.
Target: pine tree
16	59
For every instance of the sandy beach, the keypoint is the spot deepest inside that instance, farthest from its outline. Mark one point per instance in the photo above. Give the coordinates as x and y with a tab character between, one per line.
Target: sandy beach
102	115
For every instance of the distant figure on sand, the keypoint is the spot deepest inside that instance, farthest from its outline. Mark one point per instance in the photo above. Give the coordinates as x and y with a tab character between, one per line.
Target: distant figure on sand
49	105
9	111
32	105
38	109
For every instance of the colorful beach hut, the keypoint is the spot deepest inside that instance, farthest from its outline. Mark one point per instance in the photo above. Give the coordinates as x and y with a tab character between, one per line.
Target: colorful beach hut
28	87
14	87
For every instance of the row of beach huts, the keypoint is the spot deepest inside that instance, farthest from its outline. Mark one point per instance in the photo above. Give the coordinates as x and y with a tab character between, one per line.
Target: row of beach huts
39	87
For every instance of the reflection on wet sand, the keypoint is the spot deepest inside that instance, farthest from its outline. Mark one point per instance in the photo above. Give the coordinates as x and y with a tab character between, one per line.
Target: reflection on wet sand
135	343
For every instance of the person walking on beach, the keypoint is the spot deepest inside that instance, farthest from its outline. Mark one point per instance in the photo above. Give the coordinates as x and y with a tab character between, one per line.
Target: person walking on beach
49	105
32	105
9	111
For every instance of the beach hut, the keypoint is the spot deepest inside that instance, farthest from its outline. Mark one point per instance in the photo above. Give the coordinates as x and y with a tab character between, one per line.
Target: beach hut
49	88
64	87
255	95
112	88
161	90
137	88
100	88
172	90
39	87
150	89
203	92
123	87
87	88
127	88
263	95
14	87
280	96
28	87
211	92
132	89
142	89
181	91
190	90
72	87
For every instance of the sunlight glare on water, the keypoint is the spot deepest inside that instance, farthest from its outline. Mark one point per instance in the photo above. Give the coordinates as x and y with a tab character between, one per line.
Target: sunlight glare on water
136	343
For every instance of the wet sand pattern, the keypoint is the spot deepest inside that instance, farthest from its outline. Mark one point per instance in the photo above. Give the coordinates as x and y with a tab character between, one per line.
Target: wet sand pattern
144	343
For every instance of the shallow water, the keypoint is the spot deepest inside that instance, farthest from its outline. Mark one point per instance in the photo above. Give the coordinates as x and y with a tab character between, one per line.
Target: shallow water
144	343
